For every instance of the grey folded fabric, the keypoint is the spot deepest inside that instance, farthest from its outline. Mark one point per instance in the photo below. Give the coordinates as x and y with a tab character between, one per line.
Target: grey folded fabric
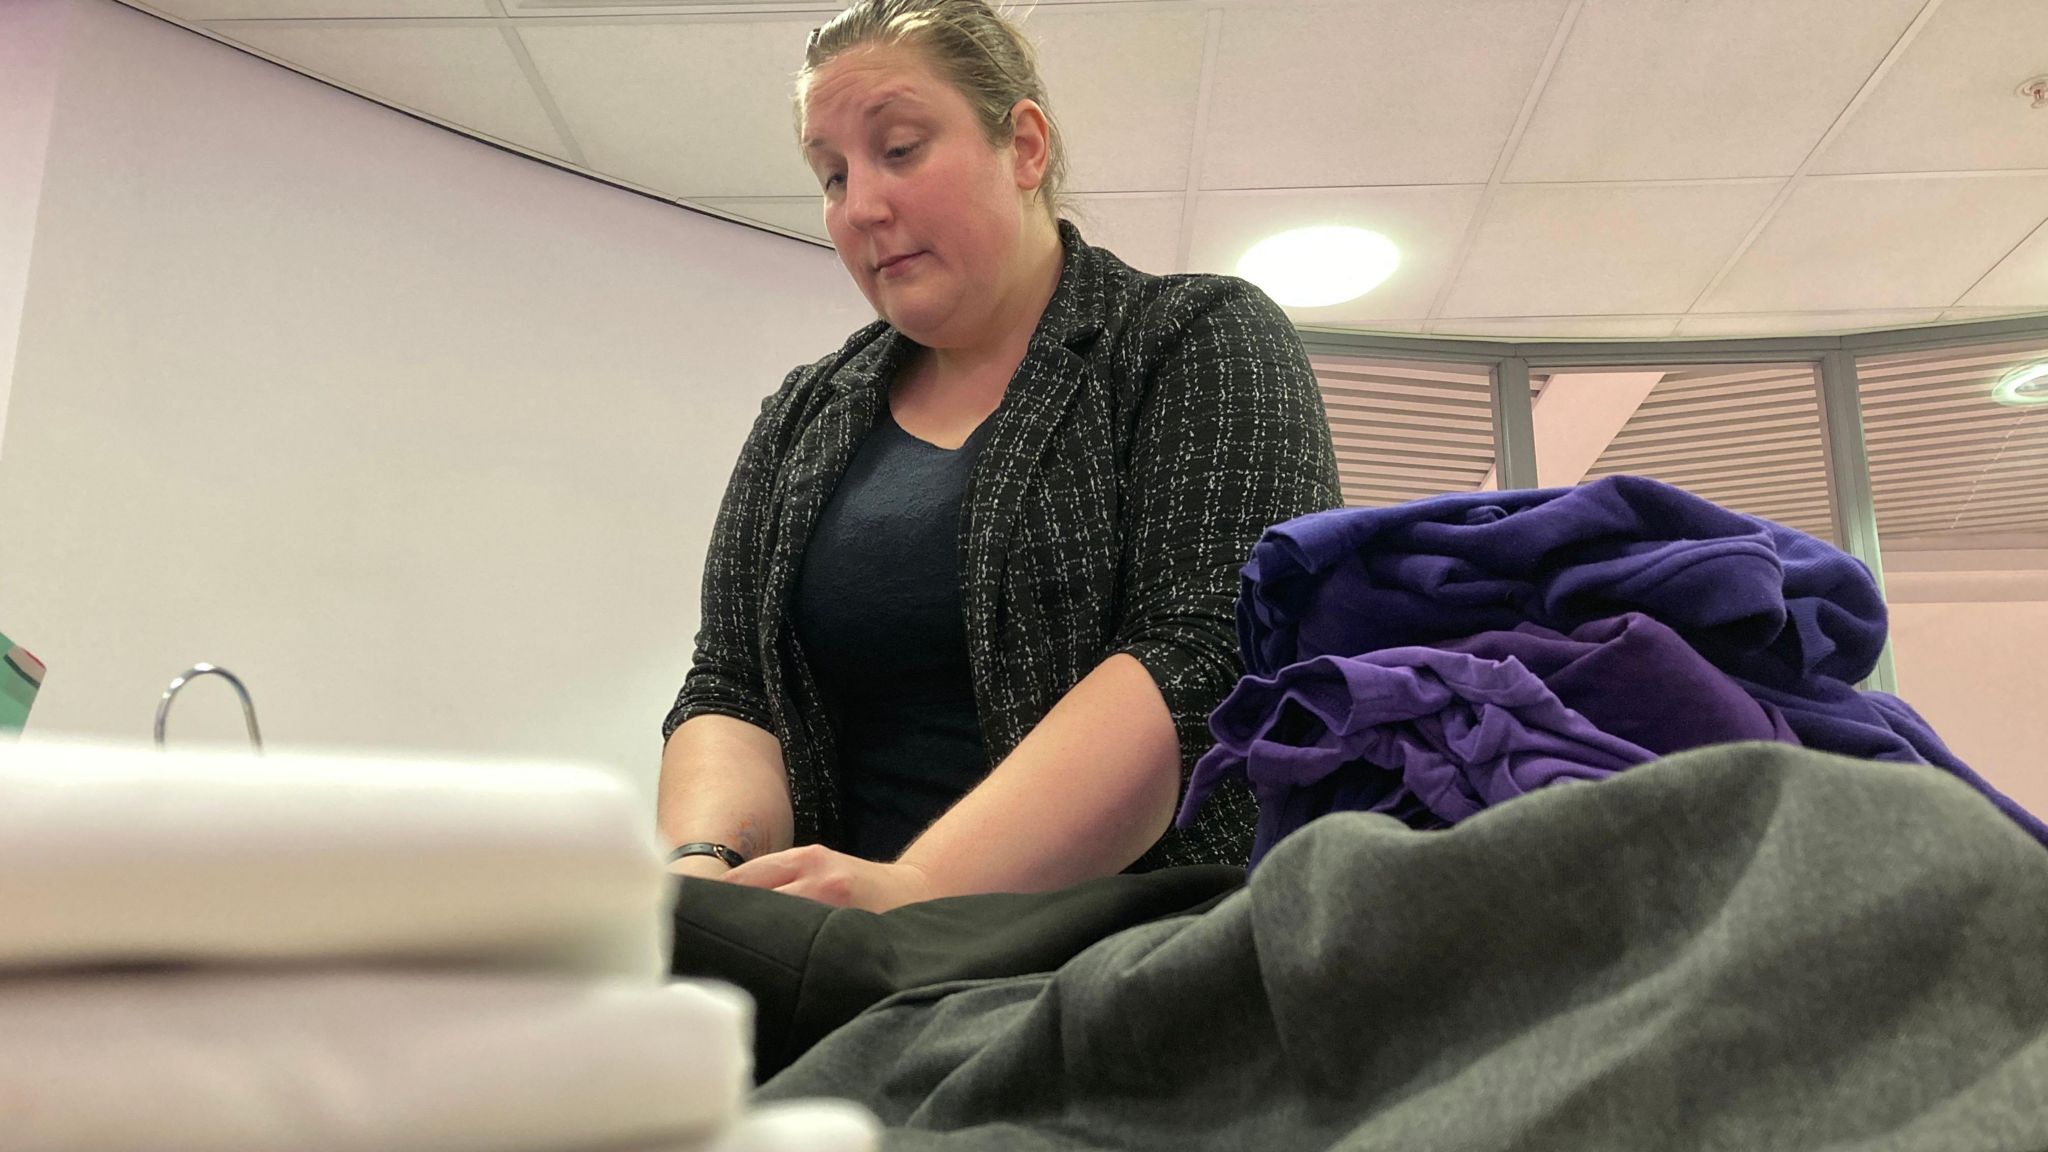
1744	947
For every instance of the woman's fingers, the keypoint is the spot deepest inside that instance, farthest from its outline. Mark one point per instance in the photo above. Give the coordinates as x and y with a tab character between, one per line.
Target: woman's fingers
817	873
826	886
770	871
812	872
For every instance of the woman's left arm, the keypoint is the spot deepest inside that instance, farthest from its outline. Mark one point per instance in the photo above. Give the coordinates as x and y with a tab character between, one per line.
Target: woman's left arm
1232	438
1086	792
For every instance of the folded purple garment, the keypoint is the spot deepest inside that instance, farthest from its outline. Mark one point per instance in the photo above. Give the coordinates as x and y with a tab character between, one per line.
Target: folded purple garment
1835	717
1793	619
1427	736
1634	678
1433	735
1762	601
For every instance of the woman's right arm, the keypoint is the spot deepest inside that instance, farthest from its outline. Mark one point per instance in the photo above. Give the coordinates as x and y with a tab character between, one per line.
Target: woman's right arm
722	780
722	774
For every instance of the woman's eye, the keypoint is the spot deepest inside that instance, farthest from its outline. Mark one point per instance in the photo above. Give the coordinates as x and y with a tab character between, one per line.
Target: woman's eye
831	180
901	151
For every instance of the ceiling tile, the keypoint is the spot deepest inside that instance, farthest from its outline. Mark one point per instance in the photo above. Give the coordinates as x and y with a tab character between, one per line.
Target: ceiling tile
1677	89
1557	327
1144	231
800	214
2020	281
1425	223
464	74
694	110
314	9
1843	244
1560	249
1803	323
1950	103
1126	128
1372	92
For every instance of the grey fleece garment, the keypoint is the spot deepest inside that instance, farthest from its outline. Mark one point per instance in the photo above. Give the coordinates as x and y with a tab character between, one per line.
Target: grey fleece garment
1745	947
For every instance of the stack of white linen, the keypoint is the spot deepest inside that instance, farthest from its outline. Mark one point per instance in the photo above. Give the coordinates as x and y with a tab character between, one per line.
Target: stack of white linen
213	952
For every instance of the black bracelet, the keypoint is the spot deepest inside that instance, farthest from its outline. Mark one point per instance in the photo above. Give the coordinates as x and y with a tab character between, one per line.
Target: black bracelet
731	858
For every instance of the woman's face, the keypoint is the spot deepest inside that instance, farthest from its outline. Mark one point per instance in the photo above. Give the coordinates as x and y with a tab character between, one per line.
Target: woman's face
926	215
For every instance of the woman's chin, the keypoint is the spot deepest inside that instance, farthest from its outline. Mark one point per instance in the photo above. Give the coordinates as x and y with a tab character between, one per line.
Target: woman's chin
914	318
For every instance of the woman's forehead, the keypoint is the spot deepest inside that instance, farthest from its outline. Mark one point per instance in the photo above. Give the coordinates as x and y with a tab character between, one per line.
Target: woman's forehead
867	82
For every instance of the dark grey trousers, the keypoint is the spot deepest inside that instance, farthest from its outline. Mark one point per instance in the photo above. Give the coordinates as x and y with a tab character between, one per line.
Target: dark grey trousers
812	968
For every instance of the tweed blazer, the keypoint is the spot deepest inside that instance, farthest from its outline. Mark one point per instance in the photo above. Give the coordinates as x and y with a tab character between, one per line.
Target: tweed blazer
1156	426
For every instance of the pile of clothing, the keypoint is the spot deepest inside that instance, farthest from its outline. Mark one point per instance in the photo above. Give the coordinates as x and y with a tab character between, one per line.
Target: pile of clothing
1754	933
1430	660
218	952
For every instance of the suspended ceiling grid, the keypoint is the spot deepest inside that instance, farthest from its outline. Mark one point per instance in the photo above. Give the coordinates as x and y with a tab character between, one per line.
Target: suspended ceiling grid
1626	169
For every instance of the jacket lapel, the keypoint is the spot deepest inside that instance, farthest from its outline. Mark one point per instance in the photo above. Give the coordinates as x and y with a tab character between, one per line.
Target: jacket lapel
822	450
1052	373
1025	427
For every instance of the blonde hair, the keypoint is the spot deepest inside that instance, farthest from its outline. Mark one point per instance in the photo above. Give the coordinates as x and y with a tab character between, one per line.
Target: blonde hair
982	54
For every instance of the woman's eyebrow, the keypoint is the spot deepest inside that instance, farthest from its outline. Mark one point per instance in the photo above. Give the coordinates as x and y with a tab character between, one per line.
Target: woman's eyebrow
869	113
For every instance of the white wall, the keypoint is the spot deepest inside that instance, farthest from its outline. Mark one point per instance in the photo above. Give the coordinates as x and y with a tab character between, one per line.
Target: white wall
1969	631
421	438
31	44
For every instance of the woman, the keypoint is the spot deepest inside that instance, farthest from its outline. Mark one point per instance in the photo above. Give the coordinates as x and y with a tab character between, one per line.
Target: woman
968	600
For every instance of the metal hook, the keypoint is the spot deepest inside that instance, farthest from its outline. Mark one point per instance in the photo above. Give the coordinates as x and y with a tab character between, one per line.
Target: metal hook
163	708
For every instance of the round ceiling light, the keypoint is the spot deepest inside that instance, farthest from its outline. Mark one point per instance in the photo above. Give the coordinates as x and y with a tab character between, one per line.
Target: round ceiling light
2027	385
1321	266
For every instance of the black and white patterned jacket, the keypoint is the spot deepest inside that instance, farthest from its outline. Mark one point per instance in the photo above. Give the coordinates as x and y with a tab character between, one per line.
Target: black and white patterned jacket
1155	427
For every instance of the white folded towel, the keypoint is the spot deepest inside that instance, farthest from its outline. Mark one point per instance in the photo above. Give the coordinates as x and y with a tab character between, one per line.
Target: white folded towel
786	1126
127	854
362	1061
803	1126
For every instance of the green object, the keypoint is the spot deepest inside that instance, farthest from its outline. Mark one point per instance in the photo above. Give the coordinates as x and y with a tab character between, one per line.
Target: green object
21	674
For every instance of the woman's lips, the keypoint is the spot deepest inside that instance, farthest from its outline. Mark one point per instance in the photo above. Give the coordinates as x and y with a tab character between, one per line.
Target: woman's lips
897	264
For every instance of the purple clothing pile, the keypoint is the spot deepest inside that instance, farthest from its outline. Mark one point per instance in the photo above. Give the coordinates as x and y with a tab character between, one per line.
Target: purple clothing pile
1434	658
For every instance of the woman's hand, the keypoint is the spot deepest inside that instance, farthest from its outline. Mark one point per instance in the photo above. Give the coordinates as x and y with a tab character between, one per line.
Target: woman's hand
818	873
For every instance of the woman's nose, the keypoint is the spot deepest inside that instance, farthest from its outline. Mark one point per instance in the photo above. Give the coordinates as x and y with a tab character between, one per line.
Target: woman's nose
866	205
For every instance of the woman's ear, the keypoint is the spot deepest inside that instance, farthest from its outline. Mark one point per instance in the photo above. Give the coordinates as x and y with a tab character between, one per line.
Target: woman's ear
1031	142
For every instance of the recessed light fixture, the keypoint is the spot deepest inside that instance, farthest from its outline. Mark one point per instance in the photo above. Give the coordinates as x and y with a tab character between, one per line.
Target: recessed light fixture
2027	385
1321	266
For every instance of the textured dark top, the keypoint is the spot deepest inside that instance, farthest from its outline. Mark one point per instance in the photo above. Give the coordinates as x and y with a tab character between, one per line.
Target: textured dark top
1156	426
879	614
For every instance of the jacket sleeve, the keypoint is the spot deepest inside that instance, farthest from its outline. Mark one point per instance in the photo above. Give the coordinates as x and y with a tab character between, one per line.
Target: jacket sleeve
725	676
1231	439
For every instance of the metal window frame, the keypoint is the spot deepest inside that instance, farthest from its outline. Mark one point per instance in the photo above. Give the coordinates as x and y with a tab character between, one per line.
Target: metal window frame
1839	394
1850	495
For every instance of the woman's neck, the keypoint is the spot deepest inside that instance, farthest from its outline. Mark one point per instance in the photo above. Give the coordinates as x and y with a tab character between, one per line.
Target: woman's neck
945	393
1016	316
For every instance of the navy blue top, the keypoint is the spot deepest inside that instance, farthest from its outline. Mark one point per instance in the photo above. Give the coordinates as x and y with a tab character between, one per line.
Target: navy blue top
879	613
